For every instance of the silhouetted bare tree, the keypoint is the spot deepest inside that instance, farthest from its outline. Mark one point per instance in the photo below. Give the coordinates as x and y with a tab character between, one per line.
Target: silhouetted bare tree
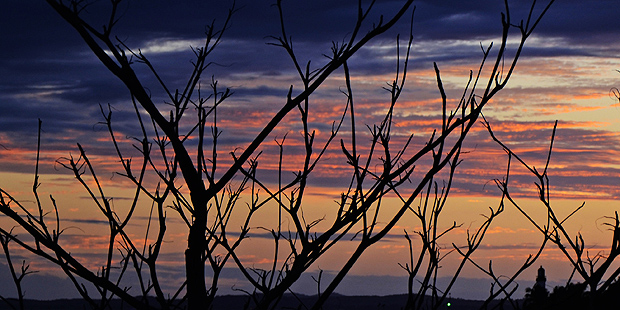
596	270
203	191
434	199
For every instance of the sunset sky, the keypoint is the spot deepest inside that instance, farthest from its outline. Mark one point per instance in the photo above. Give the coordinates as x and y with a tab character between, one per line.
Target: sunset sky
566	73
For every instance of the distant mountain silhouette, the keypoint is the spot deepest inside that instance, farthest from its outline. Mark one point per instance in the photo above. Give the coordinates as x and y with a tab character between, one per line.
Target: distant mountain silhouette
289	301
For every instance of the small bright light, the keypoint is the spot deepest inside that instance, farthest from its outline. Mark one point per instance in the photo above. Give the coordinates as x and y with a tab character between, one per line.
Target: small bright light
449	304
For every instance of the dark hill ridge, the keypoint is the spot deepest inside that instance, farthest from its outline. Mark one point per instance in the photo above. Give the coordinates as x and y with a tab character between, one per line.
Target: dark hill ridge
227	302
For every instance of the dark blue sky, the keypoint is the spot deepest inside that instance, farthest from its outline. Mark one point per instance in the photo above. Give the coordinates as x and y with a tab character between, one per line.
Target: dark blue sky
41	49
43	56
47	72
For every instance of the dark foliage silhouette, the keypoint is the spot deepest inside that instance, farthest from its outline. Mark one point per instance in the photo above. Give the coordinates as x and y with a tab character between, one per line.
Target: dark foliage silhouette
599	275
